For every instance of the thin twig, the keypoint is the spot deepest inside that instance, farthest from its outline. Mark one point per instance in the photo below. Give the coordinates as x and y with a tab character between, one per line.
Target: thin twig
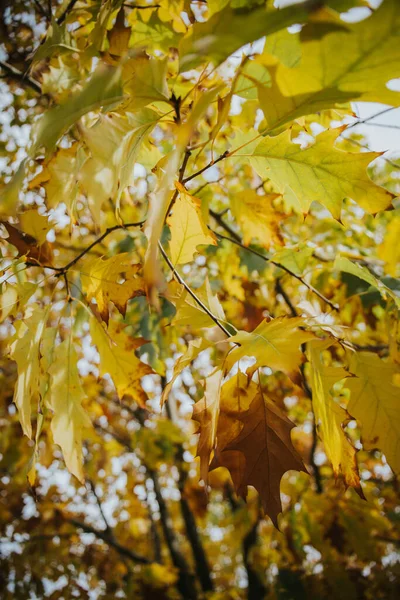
17	75
191	292
210	164
367	119
235	239
105	537
67	10
99	504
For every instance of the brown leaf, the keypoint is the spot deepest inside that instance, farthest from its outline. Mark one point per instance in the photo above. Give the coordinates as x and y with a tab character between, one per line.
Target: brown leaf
267	447
27	245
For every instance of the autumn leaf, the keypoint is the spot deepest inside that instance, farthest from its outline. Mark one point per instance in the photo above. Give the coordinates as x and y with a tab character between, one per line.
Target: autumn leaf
65	400
188	230
115	280
331	417
34	248
118	359
320	80
257	217
320	173
206	412
24	349
275	344
267	447
374	402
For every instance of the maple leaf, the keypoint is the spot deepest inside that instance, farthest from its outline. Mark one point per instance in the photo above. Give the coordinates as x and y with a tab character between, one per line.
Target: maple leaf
65	400
339	62
59	177
25	350
206	412
275	343
195	347
188	229
117	358
331	417
320	172
374	402
257	217
267	447
115	280
34	248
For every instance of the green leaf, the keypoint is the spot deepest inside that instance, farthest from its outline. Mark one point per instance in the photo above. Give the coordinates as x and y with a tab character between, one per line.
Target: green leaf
339	62
320	173
344	264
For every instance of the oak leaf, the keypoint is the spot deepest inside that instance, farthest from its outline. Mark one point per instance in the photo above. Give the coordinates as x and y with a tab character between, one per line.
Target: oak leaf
266	445
275	344
188	229
65	400
374	402
116	279
118	359
320	173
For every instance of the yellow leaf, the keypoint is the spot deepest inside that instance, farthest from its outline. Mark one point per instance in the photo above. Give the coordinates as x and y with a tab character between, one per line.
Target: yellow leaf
65	400
188	311
35	225
257	217
206	412
347	62
320	173
24	349
188	229
389	249
59	178
144	81
115	280
331	417
275	344
195	347
118	359
113	142
374	402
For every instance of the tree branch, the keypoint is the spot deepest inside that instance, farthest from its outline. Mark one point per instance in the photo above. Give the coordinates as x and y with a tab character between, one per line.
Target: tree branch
105	537
17	75
191	292
236	239
210	164
186	584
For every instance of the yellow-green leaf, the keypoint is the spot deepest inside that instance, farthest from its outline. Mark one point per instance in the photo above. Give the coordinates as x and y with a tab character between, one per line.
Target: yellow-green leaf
25	350
320	173
118	359
115	280
374	402
330	417
339	62
65	400
188	230
275	344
